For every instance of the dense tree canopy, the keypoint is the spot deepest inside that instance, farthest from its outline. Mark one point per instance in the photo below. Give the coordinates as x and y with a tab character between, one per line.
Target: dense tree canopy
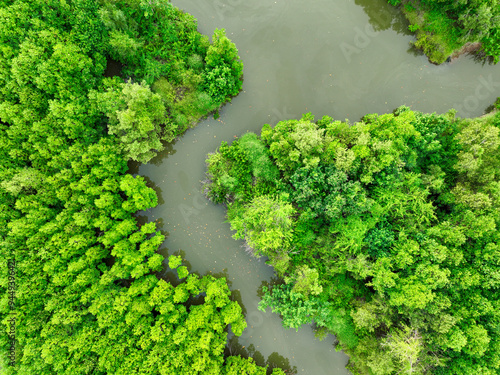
385	233
79	291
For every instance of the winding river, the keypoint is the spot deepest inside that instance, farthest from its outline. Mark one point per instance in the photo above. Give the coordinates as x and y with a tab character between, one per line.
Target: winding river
339	58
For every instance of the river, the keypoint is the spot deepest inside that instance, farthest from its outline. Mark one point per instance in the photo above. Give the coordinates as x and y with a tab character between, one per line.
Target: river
339	58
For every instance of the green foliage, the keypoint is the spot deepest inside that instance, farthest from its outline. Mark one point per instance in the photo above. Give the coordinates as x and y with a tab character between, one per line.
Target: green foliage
339	323
294	309
305	281
240	171
380	240
294	144
390	241
258	155
265	223
174	261
445	27
328	192
140	196
405	346
237	365
135	115
123	47
224	69
219	83
491	44
159	44
229	173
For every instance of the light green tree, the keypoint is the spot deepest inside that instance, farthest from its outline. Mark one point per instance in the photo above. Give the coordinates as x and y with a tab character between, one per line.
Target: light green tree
405	345
266	224
137	117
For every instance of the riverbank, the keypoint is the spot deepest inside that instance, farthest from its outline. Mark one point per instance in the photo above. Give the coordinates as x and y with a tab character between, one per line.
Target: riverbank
438	36
435	33
467	48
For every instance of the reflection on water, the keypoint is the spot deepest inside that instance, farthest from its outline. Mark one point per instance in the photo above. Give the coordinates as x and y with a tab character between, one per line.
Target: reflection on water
383	16
274	360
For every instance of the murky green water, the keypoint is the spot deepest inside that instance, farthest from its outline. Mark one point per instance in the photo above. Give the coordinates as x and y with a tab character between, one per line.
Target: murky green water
331	57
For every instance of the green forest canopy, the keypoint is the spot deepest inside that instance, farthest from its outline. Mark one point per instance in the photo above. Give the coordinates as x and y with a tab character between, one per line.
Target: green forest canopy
385	233
86	298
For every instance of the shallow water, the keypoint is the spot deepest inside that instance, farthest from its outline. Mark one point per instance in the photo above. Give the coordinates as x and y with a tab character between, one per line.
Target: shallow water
330	57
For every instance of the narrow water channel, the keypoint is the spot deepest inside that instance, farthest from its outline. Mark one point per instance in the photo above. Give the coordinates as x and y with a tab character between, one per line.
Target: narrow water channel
329	57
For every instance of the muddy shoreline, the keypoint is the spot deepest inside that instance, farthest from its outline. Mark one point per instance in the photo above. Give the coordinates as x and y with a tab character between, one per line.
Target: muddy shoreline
467	48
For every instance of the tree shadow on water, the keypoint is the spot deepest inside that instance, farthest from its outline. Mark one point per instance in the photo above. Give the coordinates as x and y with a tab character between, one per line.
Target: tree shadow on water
168	274
278	361
383	16
165	153
274	360
160	223
151	184
235	294
133	166
275	280
412	50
